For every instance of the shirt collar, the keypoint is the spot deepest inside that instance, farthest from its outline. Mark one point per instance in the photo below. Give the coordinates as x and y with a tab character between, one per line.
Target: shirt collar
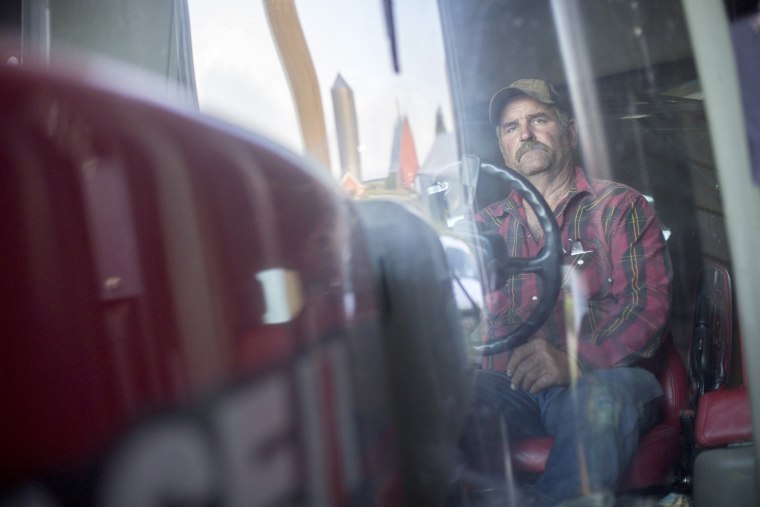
582	183
513	201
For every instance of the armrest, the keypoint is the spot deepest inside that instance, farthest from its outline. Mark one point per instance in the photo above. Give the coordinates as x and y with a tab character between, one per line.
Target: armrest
723	417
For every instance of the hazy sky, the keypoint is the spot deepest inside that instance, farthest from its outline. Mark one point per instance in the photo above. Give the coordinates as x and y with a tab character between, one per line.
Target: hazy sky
240	77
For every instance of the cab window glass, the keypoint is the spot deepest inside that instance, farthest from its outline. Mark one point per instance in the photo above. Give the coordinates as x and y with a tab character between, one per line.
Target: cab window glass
629	69
387	121
394	102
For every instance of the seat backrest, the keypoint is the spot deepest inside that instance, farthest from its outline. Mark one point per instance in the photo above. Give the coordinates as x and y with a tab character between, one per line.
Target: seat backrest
712	333
673	379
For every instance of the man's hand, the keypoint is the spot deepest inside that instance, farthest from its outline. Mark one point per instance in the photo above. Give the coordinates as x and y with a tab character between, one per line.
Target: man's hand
537	365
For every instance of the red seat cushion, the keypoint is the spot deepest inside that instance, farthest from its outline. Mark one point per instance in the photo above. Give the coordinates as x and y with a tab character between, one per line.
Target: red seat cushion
655	458
529	456
659	448
657	454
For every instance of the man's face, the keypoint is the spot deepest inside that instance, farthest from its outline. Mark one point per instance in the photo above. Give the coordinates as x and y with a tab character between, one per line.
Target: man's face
532	139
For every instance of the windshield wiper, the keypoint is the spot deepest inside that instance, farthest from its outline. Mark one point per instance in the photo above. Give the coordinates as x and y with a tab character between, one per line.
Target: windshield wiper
390	25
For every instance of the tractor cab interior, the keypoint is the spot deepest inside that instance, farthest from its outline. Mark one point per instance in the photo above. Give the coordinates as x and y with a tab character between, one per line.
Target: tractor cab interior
216	291
633	73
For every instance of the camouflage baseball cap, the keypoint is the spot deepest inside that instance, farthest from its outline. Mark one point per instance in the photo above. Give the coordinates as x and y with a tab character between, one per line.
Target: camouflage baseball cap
535	88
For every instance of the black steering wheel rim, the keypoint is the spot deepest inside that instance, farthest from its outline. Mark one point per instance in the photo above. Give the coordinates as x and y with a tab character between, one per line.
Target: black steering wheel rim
547	264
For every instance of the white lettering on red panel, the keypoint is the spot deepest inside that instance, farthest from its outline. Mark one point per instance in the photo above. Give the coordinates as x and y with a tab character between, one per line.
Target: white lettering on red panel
259	455
248	446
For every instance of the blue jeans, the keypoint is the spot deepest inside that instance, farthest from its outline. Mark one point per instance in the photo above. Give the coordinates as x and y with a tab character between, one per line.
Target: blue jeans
596	425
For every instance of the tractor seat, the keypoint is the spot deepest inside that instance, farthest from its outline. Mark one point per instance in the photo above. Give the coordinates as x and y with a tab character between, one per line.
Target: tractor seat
659	448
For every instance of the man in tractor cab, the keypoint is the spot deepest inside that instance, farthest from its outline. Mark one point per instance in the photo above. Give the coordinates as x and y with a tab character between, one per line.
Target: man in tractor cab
584	383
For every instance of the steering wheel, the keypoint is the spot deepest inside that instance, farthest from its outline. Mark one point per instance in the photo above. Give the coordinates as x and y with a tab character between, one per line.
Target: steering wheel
547	264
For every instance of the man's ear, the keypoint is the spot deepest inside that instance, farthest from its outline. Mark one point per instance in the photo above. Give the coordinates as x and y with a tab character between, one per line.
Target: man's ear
572	133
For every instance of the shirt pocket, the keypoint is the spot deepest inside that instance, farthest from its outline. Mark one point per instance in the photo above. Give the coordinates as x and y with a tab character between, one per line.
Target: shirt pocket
591	270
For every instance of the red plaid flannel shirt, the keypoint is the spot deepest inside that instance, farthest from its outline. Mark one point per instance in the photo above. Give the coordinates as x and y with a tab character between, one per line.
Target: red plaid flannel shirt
625	270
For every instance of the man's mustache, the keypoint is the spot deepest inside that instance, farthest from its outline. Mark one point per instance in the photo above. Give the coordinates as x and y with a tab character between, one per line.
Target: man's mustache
530	145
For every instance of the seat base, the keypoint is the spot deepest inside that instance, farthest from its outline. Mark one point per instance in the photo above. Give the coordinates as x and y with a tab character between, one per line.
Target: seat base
655	458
